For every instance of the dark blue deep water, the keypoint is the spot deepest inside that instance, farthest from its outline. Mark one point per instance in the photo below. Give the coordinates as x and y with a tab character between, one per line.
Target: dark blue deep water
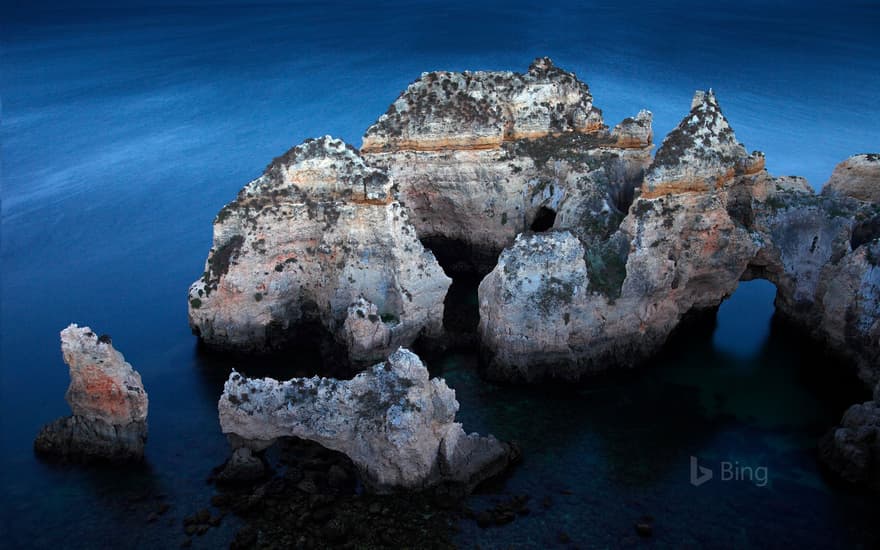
125	129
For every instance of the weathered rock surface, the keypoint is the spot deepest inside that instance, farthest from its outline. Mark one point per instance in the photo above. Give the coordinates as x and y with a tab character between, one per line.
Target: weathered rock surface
477	156
852	450
857	177
472	110
316	234
700	154
107	398
397	425
564	305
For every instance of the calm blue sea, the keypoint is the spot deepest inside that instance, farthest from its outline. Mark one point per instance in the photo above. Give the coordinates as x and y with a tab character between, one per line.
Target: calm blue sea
125	129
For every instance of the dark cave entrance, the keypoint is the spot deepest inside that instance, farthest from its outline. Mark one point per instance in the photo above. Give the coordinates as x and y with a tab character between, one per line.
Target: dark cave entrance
466	265
544	220
865	232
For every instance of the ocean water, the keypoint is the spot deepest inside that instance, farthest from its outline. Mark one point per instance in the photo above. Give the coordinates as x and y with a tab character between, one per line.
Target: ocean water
126	127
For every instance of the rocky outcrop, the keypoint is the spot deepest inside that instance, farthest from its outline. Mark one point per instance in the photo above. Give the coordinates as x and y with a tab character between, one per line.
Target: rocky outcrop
852	450
480	110
857	177
700	154
611	302
708	216
107	398
395	423
479	156
318	240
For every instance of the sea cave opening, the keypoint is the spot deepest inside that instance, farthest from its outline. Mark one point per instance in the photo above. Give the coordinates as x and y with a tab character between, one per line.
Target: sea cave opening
544	220
865	232
747	362
466	264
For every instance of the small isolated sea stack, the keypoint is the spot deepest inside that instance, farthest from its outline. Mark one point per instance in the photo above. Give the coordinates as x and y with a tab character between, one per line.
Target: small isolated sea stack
318	241
108	401
395	423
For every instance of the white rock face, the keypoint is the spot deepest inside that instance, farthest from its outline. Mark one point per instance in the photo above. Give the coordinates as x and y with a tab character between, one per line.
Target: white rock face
319	231
397	425
107	398
857	177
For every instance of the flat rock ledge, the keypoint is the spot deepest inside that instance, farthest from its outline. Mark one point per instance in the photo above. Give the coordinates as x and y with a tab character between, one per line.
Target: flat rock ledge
395	423
108	401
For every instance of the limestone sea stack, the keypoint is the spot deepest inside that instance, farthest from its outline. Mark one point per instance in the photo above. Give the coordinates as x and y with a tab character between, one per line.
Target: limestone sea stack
395	423
482	156
108	401
708	216
318	240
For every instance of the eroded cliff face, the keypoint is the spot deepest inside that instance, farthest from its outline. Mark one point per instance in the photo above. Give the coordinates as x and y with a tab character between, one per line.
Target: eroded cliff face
318	233
107	399
479	156
395	423
707	217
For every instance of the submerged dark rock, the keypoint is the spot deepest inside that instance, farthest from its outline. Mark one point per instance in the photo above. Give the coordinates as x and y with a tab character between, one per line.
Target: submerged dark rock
852	449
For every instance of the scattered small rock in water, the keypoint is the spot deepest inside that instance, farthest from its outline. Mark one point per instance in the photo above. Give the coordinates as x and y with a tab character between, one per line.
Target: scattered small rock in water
314	500
644	527
503	512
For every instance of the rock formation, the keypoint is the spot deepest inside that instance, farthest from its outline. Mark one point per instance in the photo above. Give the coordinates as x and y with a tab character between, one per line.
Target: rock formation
700	154
107	398
857	177
852	450
318	239
708	216
397	425
594	252
478	156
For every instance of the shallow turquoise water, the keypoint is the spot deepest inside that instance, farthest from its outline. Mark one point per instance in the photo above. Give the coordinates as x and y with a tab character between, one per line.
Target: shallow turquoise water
124	130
